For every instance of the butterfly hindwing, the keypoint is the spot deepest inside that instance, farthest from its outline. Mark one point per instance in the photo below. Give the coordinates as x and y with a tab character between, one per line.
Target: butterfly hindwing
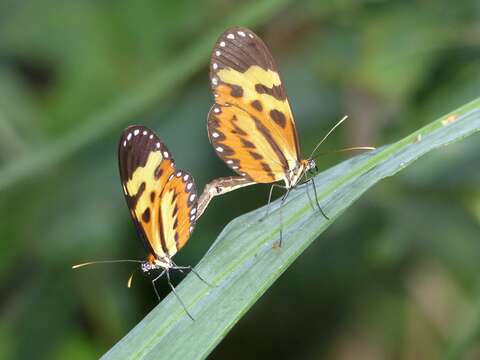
146	165
178	207
250	125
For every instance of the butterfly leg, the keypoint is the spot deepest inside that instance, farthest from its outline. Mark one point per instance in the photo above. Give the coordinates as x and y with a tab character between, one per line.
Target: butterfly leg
180	268
316	199
178	297
284	197
307	180
154	287
270	199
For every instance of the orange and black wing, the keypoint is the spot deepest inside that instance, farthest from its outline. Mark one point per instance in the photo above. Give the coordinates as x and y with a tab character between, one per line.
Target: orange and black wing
146	165
250	125
177	211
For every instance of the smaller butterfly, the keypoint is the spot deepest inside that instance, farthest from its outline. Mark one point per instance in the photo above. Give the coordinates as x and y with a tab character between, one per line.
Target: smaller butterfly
161	199
251	125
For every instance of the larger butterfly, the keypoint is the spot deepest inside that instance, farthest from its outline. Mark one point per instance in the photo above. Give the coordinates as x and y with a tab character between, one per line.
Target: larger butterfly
162	200
251	125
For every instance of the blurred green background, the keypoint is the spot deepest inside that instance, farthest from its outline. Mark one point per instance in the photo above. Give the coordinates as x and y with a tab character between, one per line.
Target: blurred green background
396	277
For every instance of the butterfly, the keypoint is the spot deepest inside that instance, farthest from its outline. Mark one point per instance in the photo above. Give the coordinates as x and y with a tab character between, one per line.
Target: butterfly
162	201
251	125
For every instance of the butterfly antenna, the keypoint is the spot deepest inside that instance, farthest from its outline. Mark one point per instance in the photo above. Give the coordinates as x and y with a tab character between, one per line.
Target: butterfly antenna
103	262
328	134
347	149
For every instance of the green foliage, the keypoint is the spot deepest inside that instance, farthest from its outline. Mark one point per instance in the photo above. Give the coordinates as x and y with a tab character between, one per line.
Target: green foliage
397	277
156	86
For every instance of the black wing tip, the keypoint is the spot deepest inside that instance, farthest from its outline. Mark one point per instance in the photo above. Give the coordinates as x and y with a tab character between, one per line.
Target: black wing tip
244	31
136	142
133	131
238	48
234	33
131	128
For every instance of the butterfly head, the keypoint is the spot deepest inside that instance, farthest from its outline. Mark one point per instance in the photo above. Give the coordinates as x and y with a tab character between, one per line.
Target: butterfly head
307	166
299	170
310	164
153	263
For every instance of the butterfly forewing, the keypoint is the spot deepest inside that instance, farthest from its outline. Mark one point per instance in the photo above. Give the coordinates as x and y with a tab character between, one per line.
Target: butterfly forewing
250	125
146	165
256	158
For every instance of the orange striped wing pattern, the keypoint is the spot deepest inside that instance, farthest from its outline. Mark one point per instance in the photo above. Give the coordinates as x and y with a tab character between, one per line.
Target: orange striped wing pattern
250	125
161	199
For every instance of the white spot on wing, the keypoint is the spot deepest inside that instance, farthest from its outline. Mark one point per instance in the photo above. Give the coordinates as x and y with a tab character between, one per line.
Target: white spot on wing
193	211
214	81
229	161
222	44
215	134
251	36
189	186
217	52
157	145
129	136
179	174
215	66
166	154
151	136
230	36
216	110
234	167
135	132
125	143
241	33
145	132
192	197
191	228
192	217
185	177
219	149
170	177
